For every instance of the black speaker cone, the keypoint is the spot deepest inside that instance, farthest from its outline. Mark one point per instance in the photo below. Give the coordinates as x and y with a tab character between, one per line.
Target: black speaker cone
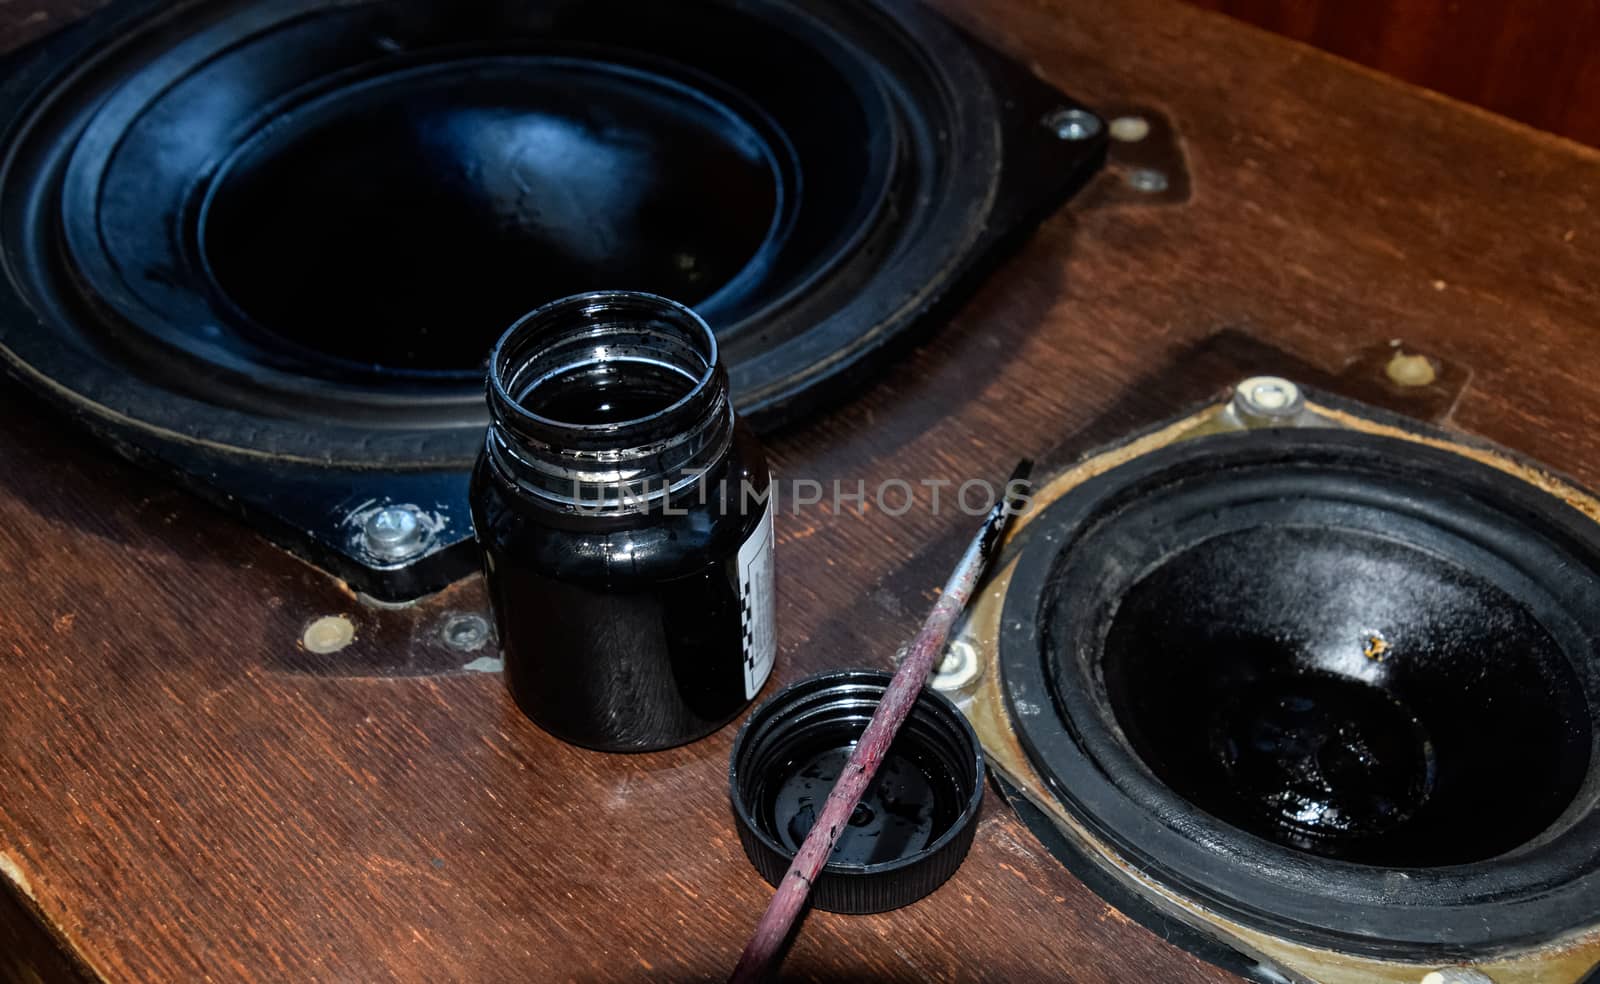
405	222
1348	695
1339	687
288	231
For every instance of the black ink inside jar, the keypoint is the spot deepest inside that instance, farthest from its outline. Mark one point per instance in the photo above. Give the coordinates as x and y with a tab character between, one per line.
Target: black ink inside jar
623	513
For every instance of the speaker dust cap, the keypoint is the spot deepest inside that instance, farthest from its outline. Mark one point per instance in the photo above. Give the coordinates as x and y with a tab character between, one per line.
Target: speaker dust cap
916	822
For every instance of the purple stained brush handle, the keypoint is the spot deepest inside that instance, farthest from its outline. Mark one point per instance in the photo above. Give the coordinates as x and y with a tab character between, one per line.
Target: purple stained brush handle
761	953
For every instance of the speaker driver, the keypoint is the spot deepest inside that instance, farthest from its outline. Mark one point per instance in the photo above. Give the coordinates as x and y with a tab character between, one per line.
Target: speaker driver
1326	691
293	228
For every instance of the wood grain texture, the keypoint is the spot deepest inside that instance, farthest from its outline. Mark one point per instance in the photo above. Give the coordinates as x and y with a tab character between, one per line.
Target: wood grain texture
1535	62
189	797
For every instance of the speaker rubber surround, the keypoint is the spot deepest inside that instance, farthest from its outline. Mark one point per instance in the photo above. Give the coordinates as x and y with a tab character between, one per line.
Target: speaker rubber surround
1495	536
537	150
242	235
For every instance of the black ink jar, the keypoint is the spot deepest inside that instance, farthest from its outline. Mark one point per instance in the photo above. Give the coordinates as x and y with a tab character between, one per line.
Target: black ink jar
626	525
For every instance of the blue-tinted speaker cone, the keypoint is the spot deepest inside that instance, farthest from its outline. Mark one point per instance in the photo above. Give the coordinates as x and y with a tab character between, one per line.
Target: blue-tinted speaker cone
289	230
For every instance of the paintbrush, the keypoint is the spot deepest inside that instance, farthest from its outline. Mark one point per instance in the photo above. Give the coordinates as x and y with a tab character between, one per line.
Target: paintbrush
761	954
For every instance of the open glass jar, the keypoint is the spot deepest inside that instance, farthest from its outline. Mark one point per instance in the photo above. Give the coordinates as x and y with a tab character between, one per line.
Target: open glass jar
625	516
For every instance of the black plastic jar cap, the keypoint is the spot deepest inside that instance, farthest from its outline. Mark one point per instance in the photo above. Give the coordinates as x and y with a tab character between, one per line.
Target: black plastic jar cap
914	826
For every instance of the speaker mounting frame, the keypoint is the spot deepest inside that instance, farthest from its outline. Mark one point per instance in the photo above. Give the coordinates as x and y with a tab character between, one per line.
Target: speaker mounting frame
126	324
1003	709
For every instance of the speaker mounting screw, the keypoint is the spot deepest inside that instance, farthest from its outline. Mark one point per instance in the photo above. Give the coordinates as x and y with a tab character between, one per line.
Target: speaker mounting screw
1147	180
467	632
395	533
959	668
1073	124
1268	398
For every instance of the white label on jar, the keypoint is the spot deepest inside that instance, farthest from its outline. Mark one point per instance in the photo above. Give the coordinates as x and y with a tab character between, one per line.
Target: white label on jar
758	602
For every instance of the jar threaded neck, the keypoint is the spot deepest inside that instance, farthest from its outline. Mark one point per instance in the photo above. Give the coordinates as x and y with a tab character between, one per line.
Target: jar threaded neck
610	403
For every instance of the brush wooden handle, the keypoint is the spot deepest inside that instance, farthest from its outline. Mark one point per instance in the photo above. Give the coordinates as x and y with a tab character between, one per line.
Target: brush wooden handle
761	953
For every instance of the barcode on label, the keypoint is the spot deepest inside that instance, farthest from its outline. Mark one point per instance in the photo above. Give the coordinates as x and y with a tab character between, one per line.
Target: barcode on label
758	603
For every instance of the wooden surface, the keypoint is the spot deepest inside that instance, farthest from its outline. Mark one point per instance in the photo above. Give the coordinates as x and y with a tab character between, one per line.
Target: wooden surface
185	796
1535	62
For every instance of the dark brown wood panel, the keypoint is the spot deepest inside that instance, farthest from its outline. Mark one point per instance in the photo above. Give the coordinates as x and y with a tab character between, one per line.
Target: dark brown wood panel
187	797
1535	62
